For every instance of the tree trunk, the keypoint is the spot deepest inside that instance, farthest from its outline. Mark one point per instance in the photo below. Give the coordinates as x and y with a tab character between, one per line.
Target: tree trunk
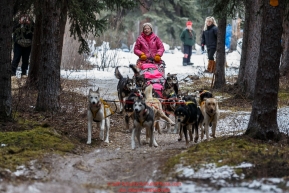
51	45
220	80
35	53
263	121
284	68
6	15
240	81
252	49
63	20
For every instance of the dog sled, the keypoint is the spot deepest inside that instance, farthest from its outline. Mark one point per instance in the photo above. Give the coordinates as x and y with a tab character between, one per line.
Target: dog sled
154	74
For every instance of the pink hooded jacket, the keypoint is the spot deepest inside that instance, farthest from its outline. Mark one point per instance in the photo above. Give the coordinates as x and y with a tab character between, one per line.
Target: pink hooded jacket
151	48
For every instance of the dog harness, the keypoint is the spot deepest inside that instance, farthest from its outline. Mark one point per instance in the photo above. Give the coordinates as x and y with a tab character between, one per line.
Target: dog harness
189	102
106	106
141	123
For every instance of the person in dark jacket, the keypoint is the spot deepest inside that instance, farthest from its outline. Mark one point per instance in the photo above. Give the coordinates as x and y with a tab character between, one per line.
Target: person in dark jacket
209	38
188	37
22	39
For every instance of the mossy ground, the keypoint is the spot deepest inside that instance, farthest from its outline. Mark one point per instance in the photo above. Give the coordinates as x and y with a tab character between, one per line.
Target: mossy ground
19	147
269	159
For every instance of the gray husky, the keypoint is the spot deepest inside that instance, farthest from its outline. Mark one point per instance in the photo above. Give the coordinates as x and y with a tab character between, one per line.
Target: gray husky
143	118
97	112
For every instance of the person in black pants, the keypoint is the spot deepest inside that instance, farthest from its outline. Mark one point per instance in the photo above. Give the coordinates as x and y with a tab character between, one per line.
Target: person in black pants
209	38
188	37
22	38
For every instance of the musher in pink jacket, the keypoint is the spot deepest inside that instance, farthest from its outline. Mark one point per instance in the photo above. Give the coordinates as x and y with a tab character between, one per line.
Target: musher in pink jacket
148	45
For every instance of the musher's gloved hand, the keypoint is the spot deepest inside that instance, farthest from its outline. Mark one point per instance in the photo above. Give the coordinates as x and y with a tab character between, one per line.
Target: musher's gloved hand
143	56
157	58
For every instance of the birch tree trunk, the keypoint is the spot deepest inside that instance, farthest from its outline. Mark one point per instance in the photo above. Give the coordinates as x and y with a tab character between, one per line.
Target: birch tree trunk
6	20
263	121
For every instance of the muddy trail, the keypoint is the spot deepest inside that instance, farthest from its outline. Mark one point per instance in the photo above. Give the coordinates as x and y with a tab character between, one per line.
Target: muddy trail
100	169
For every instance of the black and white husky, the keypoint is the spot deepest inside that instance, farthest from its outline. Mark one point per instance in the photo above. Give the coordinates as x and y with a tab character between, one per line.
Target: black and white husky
98	113
124	87
143	118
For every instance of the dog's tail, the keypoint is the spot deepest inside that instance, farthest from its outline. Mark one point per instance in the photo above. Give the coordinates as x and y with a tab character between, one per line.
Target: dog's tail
134	69
117	73
149	92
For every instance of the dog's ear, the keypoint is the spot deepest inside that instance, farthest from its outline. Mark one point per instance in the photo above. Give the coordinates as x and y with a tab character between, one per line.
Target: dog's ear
90	90
97	89
168	74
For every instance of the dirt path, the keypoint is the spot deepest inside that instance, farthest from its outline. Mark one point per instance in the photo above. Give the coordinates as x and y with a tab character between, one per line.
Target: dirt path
99	169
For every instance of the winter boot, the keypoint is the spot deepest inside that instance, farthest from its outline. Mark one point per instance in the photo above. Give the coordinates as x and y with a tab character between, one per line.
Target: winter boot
208	70
185	62
211	66
190	63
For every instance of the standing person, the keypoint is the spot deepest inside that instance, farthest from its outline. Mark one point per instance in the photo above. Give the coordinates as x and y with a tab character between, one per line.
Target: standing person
148	46
188	37
22	38
209	38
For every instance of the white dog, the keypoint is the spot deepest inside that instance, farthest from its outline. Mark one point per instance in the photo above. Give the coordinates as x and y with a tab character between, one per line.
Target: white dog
98	113
210	111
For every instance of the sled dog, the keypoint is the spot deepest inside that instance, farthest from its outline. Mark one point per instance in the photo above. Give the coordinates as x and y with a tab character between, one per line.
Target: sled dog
156	105
143	118
187	115
210	111
99	113
124	87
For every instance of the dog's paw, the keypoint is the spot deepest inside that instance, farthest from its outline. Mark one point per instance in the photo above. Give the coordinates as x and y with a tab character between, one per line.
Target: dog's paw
211	135
180	139
88	142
